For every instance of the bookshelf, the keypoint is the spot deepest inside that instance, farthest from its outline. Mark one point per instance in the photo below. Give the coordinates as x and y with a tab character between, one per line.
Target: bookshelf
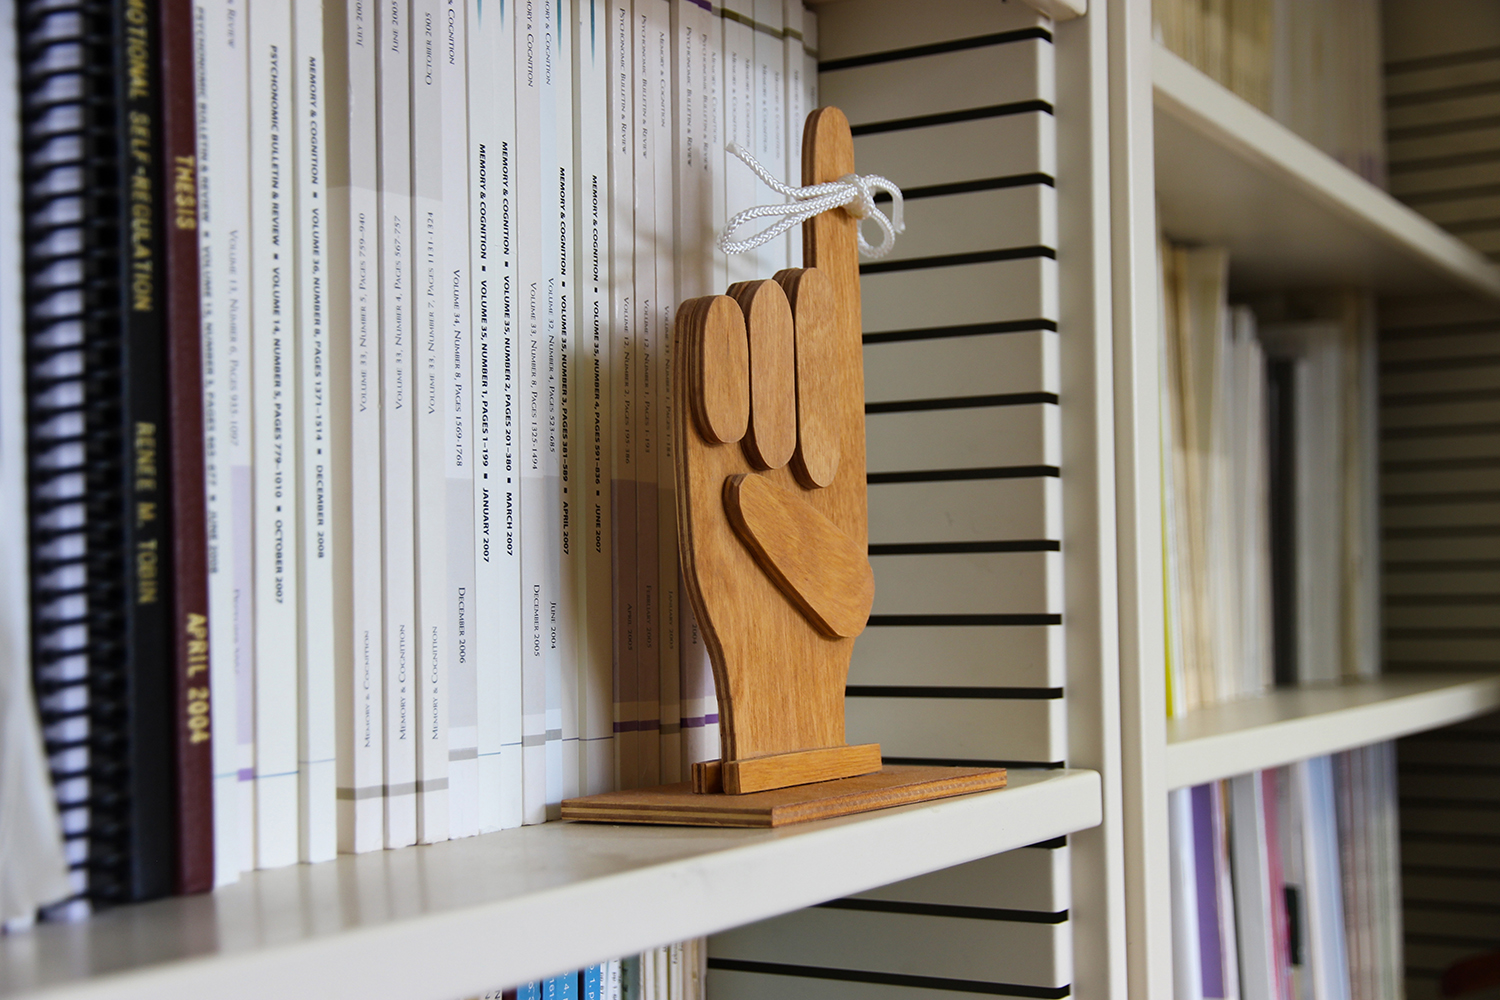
1216	170
1220	741
1137	132
440	922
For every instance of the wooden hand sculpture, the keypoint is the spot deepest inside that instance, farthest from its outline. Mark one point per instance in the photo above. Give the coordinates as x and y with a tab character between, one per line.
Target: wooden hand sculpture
773	527
773	530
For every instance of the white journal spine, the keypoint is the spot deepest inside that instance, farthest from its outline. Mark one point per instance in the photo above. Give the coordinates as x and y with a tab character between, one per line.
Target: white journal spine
484	299
538	554
322	612
396	234
497	507
648	338
354	302
593	417
569	621
219	56
795	113
694	153
770	113
430	391
669	678
275	442
239	426
513	429
739	124
623	389
463	718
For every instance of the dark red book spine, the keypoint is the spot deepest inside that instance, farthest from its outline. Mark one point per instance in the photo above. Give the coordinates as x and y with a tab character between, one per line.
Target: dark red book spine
195	803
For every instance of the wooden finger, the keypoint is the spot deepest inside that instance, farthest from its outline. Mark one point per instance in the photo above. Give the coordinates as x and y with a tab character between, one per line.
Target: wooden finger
712	342
819	568
821	376
772	436
829	244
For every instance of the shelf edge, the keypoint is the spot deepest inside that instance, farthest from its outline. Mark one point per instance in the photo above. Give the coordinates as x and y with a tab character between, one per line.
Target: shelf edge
1193	762
454	953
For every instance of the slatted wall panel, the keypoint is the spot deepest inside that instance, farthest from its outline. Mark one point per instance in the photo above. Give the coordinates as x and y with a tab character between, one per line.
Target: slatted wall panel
1440	458
963	658
1443	114
1450	819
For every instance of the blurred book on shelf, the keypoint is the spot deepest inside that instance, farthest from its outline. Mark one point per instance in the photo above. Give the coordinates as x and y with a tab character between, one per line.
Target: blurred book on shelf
1286	883
1269	489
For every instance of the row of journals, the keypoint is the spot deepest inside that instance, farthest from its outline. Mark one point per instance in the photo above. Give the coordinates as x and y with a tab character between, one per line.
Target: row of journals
1269	475
1286	884
348	350
675	972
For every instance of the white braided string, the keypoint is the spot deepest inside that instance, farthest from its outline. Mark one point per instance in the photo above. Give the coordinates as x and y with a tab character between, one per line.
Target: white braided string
853	193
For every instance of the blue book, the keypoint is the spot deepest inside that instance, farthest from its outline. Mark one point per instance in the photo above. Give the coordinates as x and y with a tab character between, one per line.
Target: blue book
593	982
561	987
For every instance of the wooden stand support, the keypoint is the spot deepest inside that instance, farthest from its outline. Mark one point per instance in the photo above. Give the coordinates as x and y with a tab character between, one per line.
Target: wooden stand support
679	805
773	531
782	770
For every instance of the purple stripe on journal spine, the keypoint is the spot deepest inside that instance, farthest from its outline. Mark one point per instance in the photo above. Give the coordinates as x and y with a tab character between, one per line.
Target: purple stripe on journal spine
1209	943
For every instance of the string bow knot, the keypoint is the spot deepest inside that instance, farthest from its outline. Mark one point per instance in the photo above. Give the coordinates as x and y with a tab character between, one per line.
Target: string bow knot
854	193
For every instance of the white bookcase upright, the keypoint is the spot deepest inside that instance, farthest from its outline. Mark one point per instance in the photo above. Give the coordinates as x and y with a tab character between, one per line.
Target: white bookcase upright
1021	619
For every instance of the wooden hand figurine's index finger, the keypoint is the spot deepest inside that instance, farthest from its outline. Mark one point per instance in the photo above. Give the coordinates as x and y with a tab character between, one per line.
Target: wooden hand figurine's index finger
829	240
830	243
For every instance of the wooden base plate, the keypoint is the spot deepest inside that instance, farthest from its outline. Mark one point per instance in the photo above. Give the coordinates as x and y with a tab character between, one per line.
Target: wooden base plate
679	805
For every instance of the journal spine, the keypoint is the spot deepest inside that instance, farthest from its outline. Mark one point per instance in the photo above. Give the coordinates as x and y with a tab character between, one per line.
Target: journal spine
195	817
140	675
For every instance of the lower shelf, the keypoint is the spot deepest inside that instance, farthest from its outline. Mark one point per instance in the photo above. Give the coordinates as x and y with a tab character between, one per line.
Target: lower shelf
449	920
1293	724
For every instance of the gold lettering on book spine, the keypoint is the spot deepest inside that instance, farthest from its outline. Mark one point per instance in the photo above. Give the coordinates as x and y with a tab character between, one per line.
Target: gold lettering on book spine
197	663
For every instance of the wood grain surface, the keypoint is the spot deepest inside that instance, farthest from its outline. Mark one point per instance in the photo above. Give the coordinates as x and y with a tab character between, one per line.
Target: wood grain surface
820	375
679	805
782	770
821	570
780	679
800	767
718	367
773	372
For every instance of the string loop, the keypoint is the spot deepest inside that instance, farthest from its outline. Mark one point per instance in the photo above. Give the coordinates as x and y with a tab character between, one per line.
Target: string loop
852	192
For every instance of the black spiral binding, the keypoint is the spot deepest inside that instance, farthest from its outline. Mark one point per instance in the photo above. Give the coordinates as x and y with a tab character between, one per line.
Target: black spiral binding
70	136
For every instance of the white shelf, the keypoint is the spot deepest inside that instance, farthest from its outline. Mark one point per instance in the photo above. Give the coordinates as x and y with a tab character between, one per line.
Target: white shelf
1291	216
441	922
1293	724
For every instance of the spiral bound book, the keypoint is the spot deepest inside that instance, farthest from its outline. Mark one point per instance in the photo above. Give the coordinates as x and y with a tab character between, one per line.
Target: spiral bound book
99	471
26	795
